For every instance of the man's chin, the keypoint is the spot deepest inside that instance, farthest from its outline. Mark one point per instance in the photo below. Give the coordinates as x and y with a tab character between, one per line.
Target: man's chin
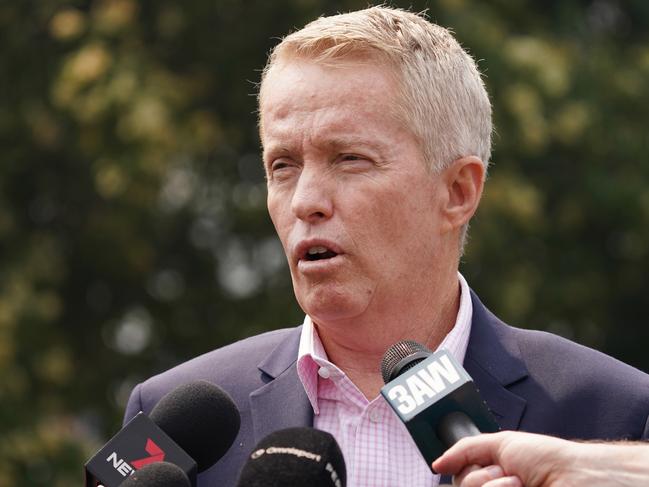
332	308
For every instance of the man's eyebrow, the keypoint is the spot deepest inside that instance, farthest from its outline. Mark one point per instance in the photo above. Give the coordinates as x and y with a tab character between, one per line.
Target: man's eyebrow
351	140
276	149
343	142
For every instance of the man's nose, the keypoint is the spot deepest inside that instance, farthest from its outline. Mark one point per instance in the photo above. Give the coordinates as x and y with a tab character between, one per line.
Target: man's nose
312	198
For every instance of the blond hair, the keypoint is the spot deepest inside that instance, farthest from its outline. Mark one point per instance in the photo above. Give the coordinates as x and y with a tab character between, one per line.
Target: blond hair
442	97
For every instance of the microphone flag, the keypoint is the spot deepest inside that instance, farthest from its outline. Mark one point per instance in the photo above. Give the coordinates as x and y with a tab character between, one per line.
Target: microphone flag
426	395
140	443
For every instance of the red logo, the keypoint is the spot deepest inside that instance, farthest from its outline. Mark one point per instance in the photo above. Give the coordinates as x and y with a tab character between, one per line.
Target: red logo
157	455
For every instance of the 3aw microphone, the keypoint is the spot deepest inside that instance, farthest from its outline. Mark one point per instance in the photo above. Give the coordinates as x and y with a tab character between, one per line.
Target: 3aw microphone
192	427
295	457
434	396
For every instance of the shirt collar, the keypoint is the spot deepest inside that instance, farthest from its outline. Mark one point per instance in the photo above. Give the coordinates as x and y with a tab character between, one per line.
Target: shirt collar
313	363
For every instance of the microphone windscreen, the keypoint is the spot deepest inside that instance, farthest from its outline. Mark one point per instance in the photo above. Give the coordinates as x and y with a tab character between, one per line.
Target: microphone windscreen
159	474
400	357
295	457
201	418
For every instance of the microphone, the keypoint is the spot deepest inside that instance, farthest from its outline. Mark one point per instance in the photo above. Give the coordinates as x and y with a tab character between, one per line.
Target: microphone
158	474
192	427
295	457
434	396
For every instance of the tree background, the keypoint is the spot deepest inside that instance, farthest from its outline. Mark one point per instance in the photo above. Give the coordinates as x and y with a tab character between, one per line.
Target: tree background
133	229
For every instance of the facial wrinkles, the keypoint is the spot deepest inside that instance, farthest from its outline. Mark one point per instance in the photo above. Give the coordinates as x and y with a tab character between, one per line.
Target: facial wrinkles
310	130
308	135
326	136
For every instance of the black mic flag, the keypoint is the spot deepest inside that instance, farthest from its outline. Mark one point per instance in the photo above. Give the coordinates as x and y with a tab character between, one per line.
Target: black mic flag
192	426
434	397
139	443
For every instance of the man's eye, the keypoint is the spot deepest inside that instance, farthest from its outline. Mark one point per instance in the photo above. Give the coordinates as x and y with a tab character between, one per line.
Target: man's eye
351	157
354	161
281	168
280	164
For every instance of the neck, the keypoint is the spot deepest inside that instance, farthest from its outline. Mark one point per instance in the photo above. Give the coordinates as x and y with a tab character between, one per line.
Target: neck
358	345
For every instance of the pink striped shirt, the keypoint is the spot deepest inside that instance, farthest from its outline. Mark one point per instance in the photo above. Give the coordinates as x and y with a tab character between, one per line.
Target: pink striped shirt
377	447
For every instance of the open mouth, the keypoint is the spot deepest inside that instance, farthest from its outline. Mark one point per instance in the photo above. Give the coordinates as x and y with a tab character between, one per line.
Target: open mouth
319	252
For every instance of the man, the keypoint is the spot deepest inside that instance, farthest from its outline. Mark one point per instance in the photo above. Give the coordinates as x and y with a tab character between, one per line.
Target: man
514	459
376	130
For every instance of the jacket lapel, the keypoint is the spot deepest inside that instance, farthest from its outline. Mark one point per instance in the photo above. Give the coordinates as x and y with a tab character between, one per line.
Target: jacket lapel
281	402
494	361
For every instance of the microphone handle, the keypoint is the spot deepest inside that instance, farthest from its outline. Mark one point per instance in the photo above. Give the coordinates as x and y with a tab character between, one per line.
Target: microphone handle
455	426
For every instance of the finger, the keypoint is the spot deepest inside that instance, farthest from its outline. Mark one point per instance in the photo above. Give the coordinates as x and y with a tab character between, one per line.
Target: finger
511	481
474	476
458	479
476	450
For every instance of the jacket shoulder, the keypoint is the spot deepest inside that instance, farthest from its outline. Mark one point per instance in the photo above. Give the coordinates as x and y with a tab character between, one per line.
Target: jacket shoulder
233	367
560	387
590	392
560	357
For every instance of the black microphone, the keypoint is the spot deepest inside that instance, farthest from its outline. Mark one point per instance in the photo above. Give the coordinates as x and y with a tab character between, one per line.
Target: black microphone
434	396
158	474
295	457
192	427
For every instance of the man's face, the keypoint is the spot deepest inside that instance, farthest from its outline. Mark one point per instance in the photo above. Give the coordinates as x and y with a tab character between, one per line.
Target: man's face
348	192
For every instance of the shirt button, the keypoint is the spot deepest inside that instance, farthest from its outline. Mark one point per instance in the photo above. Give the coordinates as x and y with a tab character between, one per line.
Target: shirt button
324	372
375	416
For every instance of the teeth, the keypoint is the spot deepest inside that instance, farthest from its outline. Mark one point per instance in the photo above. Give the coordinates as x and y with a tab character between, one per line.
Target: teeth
317	250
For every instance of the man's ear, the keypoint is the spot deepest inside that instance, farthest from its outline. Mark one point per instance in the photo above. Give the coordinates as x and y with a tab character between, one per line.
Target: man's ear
463	180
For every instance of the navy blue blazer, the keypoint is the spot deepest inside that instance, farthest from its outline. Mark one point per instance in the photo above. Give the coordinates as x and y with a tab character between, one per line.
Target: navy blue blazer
531	380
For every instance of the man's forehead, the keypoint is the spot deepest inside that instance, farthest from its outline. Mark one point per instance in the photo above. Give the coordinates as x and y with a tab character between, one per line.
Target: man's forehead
336	130
327	92
295	68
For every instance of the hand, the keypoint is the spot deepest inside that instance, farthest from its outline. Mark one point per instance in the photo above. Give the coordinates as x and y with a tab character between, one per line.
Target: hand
514	459
508	459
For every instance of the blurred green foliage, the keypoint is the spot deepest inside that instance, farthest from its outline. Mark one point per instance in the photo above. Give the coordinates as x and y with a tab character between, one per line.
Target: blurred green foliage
133	226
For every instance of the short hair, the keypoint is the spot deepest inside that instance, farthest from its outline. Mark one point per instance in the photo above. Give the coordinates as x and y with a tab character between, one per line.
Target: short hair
441	99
